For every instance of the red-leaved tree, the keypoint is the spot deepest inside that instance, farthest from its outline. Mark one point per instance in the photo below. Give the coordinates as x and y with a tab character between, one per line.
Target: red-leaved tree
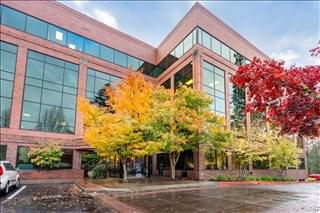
290	97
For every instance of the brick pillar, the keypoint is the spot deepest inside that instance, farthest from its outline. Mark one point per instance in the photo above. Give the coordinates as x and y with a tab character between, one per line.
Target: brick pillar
154	164
12	153
229	154
76	163
18	86
81	94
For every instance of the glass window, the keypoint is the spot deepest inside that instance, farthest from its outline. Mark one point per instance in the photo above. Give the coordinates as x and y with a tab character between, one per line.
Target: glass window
215	46
69	101
6	88
3	152
220	104
57	35
36	27
35	69
75	42
120	58
106	53
8	54
232	56
133	63
5	109
225	52
188	42
32	94
91	47
70	78
96	81
219	82
213	81
13	18
179	50
8	61
53	73
206	40
66	159
208	78
216	159
23	161
30	111
51	95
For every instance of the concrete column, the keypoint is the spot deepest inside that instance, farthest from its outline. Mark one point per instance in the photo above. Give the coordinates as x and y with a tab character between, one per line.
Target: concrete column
76	163
229	154
12	154
154	164
18	86
81	94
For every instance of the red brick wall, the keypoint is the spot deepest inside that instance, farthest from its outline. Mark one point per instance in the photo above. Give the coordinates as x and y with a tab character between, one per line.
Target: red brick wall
63	174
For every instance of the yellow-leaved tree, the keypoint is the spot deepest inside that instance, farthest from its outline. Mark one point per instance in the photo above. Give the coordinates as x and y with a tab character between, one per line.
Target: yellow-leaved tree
120	132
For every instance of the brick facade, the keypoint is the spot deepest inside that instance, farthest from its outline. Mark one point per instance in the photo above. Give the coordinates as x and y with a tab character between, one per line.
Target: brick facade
62	16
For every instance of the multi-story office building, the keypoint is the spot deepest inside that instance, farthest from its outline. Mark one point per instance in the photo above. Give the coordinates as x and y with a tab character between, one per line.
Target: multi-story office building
52	54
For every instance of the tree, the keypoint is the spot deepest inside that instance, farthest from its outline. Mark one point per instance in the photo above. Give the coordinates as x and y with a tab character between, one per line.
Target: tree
46	155
121	132
289	97
313	157
247	147
102	99
283	153
181	121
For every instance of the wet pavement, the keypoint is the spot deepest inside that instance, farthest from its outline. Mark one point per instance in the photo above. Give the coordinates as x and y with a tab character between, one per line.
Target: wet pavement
51	198
298	197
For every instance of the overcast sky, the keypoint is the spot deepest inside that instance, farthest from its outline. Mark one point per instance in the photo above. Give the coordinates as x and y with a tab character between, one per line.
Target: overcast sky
283	30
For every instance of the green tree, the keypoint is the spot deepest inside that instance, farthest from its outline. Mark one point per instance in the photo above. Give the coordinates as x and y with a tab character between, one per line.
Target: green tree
181	121
247	147
283	153
46	155
313	157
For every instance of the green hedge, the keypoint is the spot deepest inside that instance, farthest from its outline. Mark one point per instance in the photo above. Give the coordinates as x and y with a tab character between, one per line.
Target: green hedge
250	178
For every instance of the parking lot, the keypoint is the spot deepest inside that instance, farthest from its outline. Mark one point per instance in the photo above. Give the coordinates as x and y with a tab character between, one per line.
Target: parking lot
50	198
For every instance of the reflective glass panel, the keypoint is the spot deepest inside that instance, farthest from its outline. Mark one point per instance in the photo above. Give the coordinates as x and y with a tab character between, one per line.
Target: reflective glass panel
36	27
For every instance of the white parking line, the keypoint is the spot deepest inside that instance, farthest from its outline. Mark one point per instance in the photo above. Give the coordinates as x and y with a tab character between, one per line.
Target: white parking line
14	194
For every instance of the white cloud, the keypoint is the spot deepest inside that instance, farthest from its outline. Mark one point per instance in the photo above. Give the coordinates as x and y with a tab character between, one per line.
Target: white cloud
289	56
105	17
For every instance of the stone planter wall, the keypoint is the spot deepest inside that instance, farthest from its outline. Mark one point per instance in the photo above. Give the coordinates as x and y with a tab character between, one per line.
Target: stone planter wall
56	174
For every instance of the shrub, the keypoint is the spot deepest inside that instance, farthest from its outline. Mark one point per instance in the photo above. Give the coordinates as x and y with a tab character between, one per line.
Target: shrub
100	171
252	178
222	178
90	160
266	178
46	155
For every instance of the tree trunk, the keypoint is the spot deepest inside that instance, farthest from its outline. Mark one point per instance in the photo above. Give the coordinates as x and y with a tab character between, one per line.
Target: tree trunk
172	166
147	167
124	166
173	157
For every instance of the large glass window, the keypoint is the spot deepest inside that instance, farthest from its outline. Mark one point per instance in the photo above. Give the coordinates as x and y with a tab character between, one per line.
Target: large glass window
133	63
206	40
120	58
215	46
225	52
216	159
57	35
75	41
96	81
50	93
106	53
36	27
3	152
13	18
91	47
214	86
184	77
8	54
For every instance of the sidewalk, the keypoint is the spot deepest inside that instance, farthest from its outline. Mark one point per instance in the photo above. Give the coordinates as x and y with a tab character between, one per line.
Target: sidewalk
113	186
